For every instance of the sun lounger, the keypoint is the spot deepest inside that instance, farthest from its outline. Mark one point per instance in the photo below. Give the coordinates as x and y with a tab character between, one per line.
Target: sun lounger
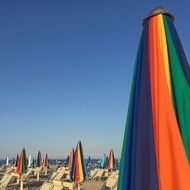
68	185
9	169
46	186
56	187
114	174
61	169
57	182
7	178
59	176
92	174
101	174
92	185
111	183
53	175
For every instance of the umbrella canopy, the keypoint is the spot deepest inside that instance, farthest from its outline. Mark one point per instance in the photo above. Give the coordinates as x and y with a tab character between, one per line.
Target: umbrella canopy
22	163
32	162
71	158
29	160
67	161
78	172
111	161
7	161
89	163
17	159
39	160
46	161
156	147
13	161
104	162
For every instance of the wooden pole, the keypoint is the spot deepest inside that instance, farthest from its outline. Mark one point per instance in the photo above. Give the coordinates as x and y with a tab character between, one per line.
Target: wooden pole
38	176
21	182
46	170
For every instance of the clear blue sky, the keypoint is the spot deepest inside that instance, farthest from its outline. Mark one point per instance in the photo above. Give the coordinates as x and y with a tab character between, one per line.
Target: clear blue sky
65	72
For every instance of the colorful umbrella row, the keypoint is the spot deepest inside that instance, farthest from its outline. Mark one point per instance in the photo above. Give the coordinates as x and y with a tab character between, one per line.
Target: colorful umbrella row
21	163
156	147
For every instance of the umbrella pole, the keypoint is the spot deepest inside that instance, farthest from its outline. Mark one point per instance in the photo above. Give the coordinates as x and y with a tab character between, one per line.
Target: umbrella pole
21	183
46	171
78	186
38	176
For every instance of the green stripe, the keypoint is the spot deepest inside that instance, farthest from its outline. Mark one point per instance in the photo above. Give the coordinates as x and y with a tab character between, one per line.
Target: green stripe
130	109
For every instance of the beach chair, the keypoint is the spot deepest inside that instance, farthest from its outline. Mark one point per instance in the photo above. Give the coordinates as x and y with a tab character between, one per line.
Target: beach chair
53	175
114	174
9	169
30	170
46	186
100	174
68	185
111	183
61	169
7	178
56	187
59	176
92	173
91	184
68	177
57	182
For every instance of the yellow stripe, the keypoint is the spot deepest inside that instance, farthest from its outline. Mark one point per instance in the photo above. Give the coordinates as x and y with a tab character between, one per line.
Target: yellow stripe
81	177
164	49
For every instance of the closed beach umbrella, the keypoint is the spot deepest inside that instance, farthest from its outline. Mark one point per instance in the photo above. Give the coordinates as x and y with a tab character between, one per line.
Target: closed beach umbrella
46	164
89	163
78	173
22	163
13	161
22	167
17	159
104	162
32	162
67	161
38	165
156	151
29	160
7	161
107	161
111	161
46	161
39	160
71	158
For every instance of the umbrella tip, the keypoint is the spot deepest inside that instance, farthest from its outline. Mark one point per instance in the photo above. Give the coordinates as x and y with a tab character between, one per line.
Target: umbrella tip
157	11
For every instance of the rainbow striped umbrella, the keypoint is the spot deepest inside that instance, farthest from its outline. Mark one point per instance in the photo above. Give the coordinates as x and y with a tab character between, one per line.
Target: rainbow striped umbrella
39	160
46	161
111	161
156	147
78	172
22	163
67	161
71	158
